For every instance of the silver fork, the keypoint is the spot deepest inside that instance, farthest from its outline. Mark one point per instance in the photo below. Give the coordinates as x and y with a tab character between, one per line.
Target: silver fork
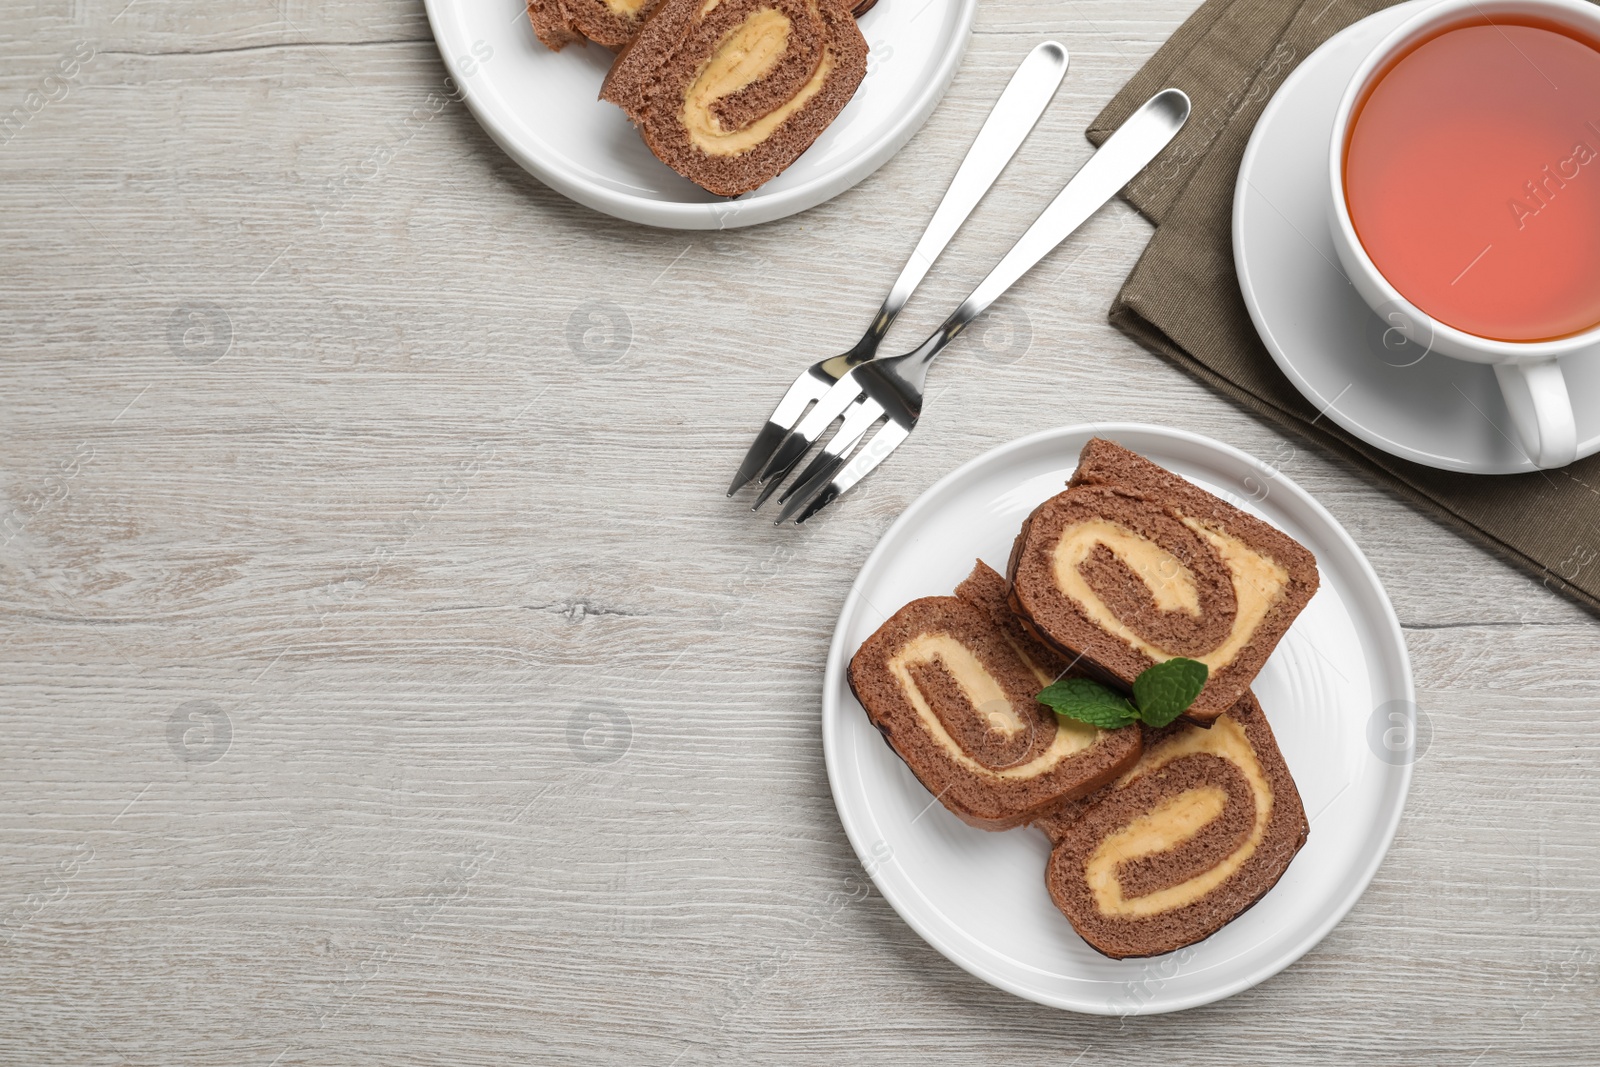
1008	125
890	387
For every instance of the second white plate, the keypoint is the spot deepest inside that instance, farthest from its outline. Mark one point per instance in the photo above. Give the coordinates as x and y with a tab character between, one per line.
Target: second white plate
1337	692
543	109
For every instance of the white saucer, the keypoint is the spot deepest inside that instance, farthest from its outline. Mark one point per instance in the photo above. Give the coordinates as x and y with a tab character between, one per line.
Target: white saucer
1418	405
1334	690
542	107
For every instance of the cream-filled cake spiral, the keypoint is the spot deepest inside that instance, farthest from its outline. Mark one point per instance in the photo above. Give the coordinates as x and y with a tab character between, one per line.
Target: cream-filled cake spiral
730	92
953	694
1133	565
1203	825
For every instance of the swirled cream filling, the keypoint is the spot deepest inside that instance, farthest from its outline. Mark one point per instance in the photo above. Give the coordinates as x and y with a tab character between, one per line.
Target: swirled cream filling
1169	581
625	8
1257	582
1179	819
1167	826
987	698
746	54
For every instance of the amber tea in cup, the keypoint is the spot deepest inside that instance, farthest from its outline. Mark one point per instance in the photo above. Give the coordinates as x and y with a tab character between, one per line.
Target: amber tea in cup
1472	178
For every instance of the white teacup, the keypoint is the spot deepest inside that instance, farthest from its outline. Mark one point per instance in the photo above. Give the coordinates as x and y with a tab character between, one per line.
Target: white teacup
1530	378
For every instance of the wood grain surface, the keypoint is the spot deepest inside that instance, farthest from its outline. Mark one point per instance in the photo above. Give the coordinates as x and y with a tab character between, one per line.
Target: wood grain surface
386	679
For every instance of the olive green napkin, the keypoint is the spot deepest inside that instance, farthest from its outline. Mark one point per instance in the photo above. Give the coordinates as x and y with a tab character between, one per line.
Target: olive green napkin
1182	299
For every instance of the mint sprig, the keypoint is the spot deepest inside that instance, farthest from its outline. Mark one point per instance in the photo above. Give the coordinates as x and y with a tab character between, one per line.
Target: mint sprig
1165	691
1160	694
1089	701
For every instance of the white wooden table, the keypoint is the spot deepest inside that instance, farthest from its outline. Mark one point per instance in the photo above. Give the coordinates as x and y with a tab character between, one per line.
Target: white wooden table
387	681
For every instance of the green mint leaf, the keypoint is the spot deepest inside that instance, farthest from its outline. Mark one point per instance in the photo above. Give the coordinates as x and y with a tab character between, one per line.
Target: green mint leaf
1088	701
1165	691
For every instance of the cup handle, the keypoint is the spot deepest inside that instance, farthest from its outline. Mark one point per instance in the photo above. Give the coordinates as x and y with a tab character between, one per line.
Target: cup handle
1541	410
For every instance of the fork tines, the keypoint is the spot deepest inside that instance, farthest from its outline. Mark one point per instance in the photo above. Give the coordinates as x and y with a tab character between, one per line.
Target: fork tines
831	482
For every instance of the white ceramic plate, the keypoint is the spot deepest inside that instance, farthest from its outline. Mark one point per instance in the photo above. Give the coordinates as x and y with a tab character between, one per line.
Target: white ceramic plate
1416	404
978	896
542	107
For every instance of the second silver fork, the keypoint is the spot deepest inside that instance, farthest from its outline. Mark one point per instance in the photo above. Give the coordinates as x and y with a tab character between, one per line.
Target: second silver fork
1008	125
890	388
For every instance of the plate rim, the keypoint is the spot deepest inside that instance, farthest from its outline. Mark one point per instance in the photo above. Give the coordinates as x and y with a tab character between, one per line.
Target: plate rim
832	714
729	214
1242	270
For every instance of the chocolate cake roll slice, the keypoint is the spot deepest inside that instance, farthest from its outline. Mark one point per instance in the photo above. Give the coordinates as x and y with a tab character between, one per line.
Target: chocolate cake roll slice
1133	565
955	700
728	93
1064	816
985	588
613	23
1202	826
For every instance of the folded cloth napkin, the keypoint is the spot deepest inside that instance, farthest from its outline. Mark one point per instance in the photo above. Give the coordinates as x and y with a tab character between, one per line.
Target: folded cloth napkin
1182	299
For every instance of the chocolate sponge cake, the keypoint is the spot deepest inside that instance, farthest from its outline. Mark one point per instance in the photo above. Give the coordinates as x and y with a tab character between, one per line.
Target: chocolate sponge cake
728	93
613	23
1202	826
985	588
954	698
1133	565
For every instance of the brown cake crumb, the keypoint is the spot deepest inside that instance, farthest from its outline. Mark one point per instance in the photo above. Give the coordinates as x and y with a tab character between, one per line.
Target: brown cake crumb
986	589
558	23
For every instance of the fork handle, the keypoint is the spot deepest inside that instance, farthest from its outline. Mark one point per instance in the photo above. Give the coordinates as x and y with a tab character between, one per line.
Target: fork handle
1124	154
1008	125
